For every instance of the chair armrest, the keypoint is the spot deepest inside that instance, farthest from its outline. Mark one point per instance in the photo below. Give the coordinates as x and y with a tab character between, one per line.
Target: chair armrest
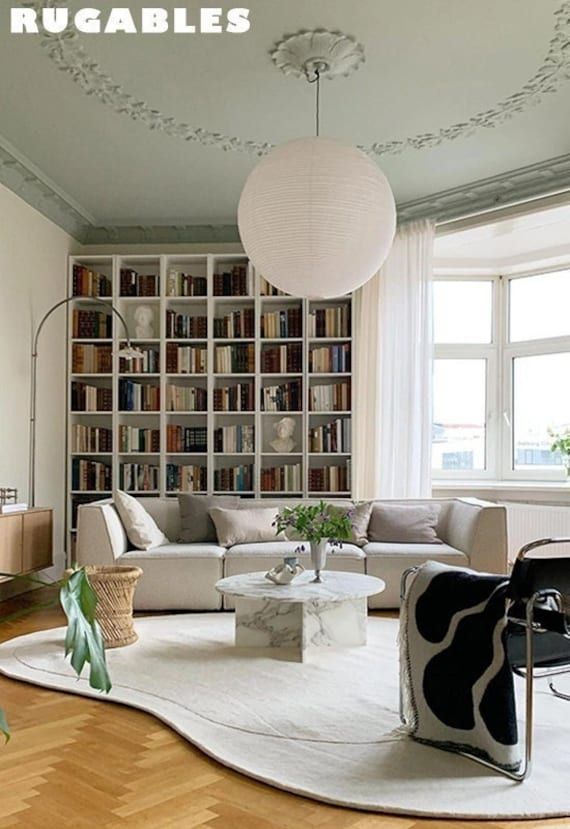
101	537
479	529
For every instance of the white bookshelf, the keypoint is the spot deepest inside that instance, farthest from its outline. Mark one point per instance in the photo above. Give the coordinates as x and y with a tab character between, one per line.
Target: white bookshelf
211	307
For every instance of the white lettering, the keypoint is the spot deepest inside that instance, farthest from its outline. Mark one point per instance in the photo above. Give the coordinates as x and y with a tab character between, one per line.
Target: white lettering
23	21
120	20
238	21
88	21
210	21
55	20
154	21
181	25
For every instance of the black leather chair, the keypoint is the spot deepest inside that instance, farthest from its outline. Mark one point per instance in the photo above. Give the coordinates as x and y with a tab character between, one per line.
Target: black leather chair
538	630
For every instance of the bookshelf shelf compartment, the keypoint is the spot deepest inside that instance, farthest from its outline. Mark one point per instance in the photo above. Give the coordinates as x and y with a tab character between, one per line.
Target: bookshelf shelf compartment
191	296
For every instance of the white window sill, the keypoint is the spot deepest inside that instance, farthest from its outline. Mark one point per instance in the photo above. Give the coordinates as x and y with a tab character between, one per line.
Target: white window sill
527	491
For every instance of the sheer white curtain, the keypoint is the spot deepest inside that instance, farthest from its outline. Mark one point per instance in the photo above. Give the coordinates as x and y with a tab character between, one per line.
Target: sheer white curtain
393	371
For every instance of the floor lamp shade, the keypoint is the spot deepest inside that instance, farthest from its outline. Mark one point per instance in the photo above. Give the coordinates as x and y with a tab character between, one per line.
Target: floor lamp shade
317	218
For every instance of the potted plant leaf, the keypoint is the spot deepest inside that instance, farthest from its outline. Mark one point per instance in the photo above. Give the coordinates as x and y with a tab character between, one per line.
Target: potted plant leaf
320	524
83	641
561	444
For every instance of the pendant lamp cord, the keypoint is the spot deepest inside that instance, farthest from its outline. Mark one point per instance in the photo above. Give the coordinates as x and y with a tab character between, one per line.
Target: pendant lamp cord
317	81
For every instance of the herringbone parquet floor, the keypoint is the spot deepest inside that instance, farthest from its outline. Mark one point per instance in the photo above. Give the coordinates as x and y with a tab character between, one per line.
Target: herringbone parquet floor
77	763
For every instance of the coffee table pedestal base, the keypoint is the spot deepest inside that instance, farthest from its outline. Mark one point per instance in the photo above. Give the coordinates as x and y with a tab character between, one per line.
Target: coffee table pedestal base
297	628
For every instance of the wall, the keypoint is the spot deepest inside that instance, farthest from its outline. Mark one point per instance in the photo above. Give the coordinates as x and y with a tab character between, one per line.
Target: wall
33	254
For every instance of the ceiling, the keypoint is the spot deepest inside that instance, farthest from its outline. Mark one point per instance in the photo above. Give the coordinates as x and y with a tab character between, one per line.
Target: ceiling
472	91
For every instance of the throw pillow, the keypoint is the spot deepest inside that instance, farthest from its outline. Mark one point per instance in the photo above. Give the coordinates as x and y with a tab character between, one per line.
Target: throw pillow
245	526
140	527
195	522
404	523
359	519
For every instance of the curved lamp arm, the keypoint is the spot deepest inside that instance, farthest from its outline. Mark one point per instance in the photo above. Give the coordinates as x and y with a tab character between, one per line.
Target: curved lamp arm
129	353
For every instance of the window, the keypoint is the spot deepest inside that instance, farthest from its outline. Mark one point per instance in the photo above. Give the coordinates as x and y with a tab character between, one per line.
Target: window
459	419
502	363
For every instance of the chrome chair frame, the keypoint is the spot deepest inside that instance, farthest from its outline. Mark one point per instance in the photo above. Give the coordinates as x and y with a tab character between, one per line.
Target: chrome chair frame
529	673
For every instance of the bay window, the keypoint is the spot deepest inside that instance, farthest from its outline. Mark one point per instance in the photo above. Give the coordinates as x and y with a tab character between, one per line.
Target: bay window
501	376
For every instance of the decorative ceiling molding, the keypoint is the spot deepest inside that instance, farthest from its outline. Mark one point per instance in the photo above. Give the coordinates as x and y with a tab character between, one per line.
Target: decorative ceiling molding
71	57
331	53
23	178
161	235
526	183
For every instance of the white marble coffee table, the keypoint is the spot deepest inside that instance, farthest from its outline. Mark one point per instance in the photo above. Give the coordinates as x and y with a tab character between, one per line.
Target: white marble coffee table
300	616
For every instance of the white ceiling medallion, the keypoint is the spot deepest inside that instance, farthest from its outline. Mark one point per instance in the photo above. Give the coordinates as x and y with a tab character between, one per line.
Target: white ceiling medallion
71	57
334	53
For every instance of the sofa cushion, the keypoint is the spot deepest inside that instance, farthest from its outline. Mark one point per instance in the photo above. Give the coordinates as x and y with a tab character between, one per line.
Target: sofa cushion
178	551
404	523
196	524
428	551
288	548
177	577
243	526
140	527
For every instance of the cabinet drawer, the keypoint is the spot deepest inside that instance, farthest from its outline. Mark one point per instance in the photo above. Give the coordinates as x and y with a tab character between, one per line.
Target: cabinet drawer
11	544
37	543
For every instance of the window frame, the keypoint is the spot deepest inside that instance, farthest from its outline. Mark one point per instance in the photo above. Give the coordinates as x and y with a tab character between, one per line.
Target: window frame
477	351
500	355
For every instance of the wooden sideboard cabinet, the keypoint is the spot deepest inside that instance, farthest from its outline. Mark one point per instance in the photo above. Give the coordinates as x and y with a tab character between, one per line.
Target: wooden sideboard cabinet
26	541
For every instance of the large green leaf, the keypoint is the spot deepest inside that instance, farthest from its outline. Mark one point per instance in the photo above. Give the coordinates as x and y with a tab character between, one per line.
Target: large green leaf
84	640
4	728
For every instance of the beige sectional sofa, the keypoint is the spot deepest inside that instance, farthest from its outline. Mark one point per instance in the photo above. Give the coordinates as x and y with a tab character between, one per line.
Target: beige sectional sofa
183	576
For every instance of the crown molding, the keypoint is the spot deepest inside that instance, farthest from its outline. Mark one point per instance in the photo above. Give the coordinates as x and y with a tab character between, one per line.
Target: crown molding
525	184
23	178
161	234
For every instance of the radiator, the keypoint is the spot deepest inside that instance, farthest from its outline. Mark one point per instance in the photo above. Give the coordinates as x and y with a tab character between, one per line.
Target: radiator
528	522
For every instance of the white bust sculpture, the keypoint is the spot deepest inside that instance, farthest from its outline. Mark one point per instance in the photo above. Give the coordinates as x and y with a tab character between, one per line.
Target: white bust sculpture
144	318
284	430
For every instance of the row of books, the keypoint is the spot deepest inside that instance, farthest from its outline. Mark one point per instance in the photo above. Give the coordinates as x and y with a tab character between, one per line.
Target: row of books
237	324
235	359
91	438
329	322
238	398
149	363
287	478
186	399
138	397
184	284
330	479
331	359
286	397
331	437
231	283
132	283
186	439
133	439
91	476
287	323
139	477
186	359
86	398
332	398
238	439
185	326
90	283
91	325
234	479
186	478
91	359
280	359
267	289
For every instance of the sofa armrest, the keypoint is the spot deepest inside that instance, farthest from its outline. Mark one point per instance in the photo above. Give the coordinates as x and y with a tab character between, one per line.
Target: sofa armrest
479	529
101	537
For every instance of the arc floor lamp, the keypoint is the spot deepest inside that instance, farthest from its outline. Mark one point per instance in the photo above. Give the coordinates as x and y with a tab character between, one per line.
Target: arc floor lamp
128	353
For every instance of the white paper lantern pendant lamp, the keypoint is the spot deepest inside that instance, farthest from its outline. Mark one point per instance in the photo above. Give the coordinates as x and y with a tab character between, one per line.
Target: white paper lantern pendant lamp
317	217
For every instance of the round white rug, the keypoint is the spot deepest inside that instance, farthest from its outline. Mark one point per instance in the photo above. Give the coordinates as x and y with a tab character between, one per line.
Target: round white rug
327	729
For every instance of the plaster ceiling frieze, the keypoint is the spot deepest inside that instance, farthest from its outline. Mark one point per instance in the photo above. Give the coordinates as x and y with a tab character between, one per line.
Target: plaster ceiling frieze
69	55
